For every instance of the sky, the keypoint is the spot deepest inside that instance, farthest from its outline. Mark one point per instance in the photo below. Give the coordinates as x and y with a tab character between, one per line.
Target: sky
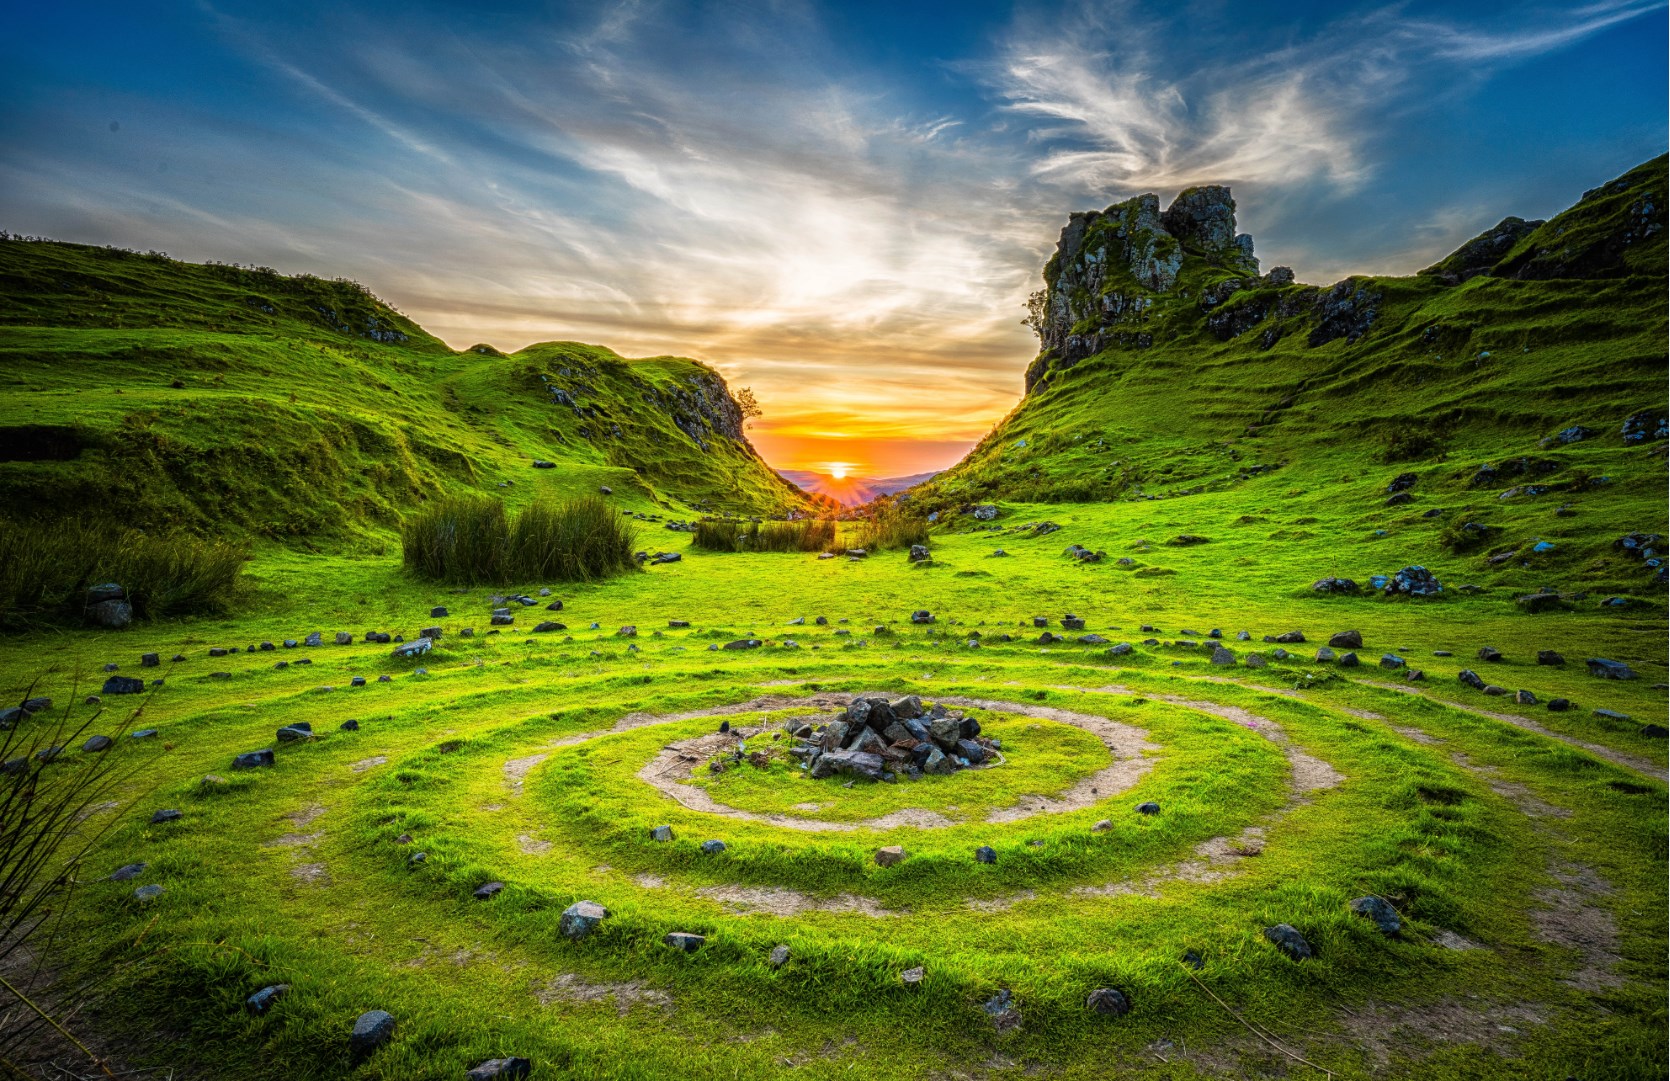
842	205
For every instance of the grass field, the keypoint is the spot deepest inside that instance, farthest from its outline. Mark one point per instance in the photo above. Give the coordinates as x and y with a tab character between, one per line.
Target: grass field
503	763
1523	848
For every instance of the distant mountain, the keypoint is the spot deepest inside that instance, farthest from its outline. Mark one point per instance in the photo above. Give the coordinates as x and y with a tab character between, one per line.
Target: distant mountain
851	491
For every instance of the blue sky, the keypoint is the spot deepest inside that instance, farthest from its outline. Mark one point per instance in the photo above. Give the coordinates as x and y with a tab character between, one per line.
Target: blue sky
842	205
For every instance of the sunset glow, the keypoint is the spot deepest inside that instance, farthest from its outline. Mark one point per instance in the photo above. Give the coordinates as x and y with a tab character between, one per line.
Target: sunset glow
838	470
853	242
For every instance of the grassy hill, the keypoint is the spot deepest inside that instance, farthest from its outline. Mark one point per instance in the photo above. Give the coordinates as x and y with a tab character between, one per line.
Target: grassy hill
1192	768
1278	413
225	398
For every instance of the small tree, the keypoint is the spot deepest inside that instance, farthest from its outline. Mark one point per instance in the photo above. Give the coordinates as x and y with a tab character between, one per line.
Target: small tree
1037	311
749	405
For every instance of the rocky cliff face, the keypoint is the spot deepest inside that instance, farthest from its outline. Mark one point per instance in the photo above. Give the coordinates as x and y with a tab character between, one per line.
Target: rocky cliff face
1133	276
1114	266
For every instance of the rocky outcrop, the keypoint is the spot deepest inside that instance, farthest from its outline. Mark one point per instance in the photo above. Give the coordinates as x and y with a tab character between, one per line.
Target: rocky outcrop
1483	252
1113	266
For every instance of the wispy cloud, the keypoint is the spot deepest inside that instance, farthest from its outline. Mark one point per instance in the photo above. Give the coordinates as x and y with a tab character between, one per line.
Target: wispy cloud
664	178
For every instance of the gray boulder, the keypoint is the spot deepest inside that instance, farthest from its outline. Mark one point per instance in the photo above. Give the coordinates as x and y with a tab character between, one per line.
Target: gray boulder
580	919
253	760
1384	915
683	940
264	999
1108	1002
1289	941
112	614
1599	667
372	1029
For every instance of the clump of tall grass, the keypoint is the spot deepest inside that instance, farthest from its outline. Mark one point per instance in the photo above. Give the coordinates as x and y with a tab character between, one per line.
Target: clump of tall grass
891	527
457	539
47	567
577	541
470	539
48	827
722	535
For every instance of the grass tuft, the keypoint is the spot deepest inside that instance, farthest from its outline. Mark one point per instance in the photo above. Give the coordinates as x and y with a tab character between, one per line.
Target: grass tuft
46	568
471	540
721	535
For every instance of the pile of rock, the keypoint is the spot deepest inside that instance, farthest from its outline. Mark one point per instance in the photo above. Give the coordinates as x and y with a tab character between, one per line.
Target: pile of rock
878	739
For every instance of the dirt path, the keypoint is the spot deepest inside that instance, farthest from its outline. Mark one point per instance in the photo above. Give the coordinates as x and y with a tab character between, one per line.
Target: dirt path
1618	758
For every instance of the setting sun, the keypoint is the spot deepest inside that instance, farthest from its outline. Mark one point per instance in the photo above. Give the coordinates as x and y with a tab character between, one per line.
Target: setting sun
838	470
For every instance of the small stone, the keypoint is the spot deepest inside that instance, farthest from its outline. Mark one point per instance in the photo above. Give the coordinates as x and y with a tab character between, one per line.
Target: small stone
661	833
1471	679
684	940
295	732
1349	660
128	872
1549	657
1347	640
123	685
499	1069
913	977
890	855
1392	660
150	660
1102	827
98	743
488	890
985	854
1108	1002
580	919
1149	808
1609	714
169	815
713	848
1384	915
252	760
264	999
1001	1009
1525	698
1493	656
1559	705
779	956
147	893
371	1030
1599	667
350	726
1289	941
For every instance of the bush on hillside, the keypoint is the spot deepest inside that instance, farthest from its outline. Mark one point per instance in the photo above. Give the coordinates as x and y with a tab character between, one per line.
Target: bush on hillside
891	527
47	567
458	539
722	535
470	539
577	541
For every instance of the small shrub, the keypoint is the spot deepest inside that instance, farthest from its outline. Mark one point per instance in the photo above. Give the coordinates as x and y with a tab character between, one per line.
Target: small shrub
46	568
891	527
1409	441
577	541
729	535
470	539
457	539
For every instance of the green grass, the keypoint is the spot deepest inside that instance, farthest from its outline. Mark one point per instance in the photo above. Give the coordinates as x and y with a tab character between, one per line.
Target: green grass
46	569
1538	836
167	394
471	540
730	535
